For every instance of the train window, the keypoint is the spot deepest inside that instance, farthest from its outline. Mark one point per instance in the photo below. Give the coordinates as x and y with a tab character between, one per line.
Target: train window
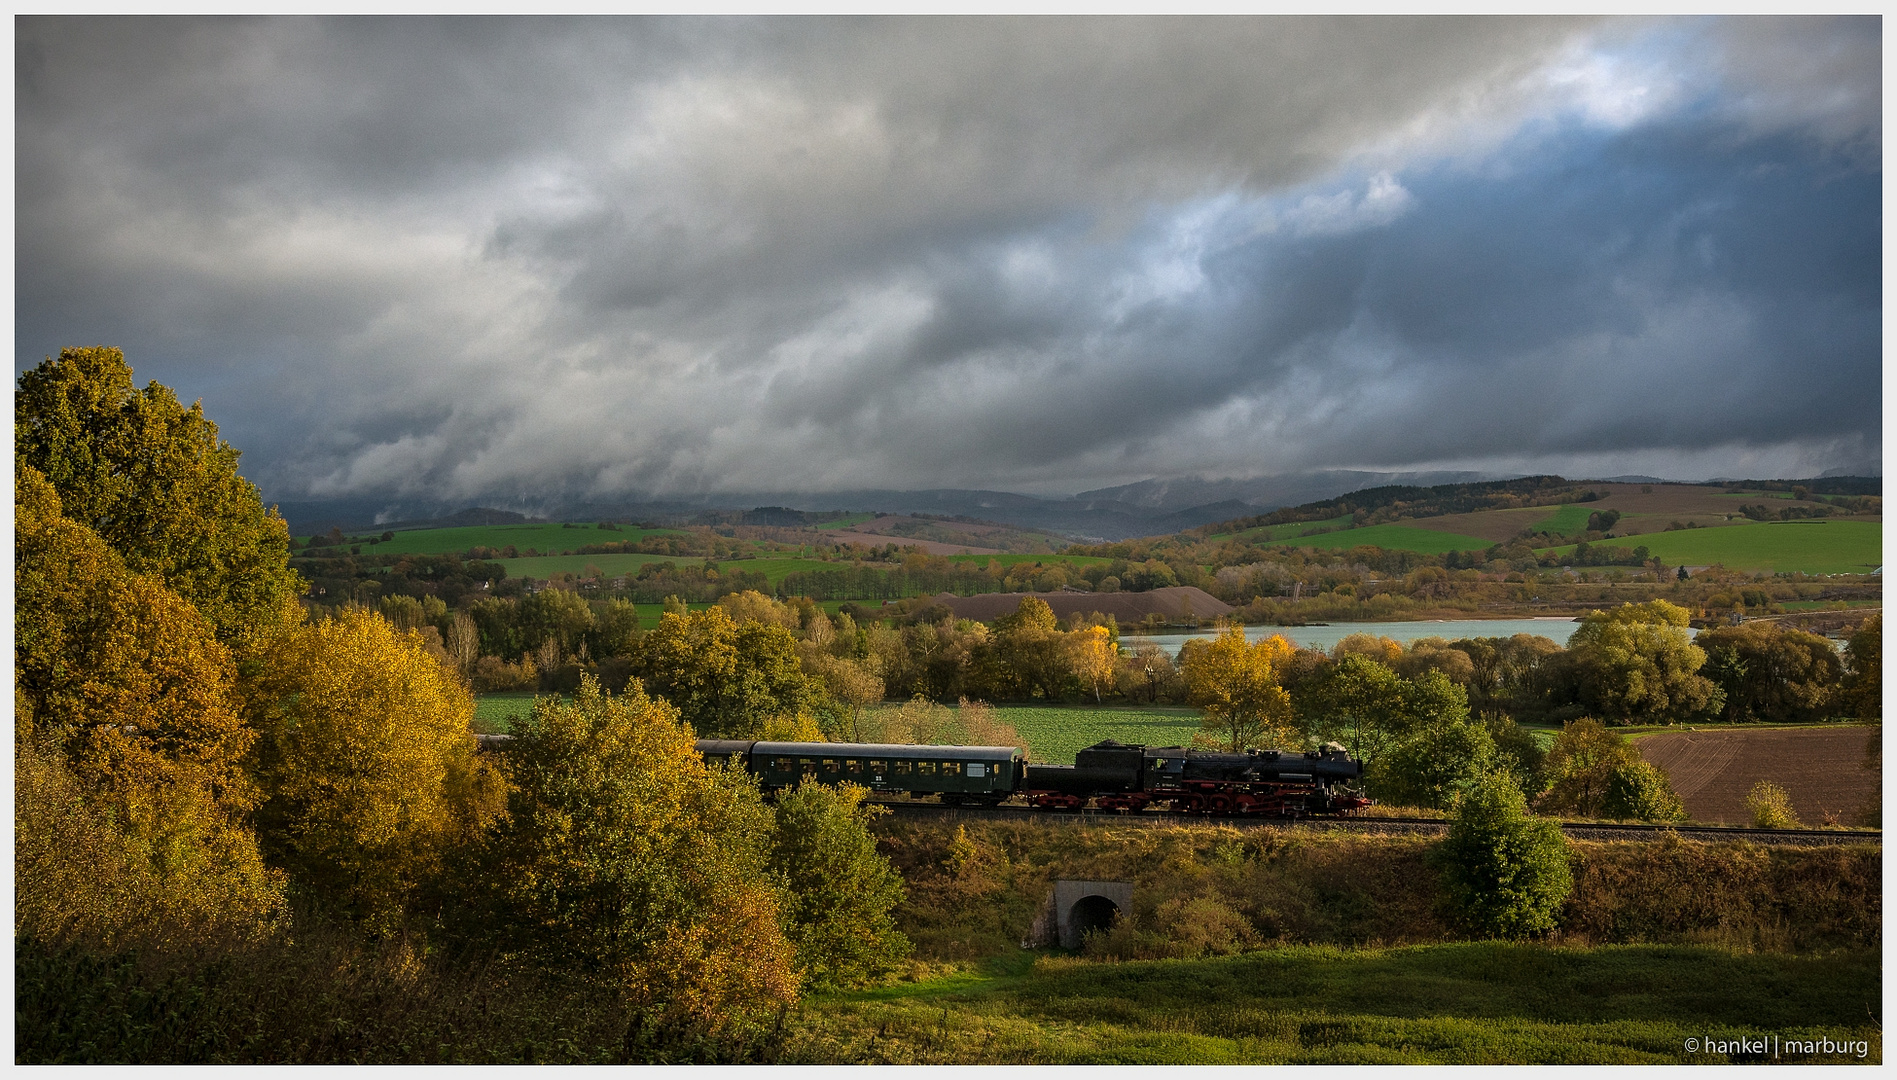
951	768
783	764
975	768
853	765
902	768
879	767
926	768
829	764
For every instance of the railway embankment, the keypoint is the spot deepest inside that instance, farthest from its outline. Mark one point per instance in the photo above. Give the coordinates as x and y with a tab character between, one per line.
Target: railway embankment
976	884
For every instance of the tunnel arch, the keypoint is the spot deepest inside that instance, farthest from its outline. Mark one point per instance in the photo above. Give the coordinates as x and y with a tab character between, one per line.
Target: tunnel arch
1090	914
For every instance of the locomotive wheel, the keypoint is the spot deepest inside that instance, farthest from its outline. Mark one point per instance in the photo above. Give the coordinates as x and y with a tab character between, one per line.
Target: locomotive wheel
1220	804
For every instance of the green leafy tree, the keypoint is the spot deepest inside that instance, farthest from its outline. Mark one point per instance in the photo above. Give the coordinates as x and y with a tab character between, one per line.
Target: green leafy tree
840	892
1772	672
1862	693
1360	703
1639	791
154	481
1504	872
726	680
624	856
1637	663
1432	764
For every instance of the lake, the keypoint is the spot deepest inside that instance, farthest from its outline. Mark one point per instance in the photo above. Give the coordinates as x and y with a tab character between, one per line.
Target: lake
1557	630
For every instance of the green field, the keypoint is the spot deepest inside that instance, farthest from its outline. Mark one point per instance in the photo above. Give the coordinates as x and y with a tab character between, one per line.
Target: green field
1396	538
1566	521
846	522
539	536
1053	733
1469	1003
1811	547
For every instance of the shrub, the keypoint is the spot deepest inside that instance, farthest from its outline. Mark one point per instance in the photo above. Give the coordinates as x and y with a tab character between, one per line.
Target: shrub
1504	873
1771	807
1639	791
1593	772
839	892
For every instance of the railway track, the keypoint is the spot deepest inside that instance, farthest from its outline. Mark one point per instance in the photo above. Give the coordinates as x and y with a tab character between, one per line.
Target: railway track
1378	826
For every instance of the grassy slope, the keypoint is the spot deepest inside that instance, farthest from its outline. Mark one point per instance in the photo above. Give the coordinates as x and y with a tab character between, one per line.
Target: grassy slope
1481	1002
1566	521
1814	547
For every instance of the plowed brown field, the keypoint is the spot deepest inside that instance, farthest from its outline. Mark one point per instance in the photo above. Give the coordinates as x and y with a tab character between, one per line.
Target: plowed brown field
1713	771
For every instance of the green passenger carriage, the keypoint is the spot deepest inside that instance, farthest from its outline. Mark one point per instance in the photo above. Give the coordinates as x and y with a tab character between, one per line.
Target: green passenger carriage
975	775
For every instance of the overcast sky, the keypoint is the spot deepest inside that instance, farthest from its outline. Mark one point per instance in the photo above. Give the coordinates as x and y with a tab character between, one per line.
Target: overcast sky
475	258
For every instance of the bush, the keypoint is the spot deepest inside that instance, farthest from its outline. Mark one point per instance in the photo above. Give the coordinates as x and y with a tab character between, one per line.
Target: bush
840	892
1771	807
1504	873
1636	790
1593	772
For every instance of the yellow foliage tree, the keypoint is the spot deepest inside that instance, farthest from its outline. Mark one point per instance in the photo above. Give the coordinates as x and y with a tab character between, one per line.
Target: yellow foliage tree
129	786
126	676
1236	683
368	762
1094	657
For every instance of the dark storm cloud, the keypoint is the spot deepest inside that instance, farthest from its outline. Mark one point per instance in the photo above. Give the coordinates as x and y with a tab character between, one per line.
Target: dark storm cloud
480	257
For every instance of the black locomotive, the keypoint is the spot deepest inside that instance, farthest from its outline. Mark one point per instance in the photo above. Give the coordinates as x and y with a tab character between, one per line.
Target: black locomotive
1110	775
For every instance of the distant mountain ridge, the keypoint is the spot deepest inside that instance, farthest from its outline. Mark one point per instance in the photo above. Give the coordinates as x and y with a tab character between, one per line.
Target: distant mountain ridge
1147	508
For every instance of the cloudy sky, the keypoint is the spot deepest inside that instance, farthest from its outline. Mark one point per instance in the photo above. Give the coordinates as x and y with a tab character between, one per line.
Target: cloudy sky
487	259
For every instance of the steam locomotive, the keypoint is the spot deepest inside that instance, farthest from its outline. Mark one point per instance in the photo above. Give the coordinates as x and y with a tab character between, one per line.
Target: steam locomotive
1110	775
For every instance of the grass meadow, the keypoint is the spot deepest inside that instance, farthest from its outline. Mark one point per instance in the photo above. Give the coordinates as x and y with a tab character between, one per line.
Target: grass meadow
1466	1003
1811	547
1567	520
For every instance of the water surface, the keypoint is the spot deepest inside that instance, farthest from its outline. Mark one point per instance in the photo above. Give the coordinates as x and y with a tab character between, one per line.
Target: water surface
1557	630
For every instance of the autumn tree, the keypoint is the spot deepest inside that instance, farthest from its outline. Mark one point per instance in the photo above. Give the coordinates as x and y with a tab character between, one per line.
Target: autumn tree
1093	657
159	487
130	791
1030	645
1235	682
369	763
625	857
